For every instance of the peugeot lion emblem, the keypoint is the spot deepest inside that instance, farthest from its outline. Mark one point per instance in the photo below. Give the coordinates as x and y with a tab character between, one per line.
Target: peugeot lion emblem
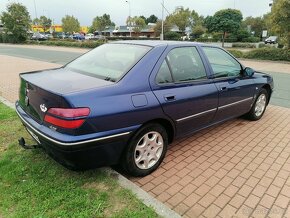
43	108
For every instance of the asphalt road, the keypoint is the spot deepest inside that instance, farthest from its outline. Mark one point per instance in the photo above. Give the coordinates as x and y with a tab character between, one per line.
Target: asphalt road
281	95
58	57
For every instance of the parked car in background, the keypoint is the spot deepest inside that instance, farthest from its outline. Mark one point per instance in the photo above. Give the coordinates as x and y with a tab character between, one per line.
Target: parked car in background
48	36
39	36
124	102
89	36
271	40
78	36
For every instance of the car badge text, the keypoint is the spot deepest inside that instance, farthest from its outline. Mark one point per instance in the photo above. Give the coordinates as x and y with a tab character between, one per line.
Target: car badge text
43	108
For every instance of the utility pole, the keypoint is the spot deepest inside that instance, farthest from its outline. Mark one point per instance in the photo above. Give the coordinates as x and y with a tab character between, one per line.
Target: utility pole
130	26
35	9
162	22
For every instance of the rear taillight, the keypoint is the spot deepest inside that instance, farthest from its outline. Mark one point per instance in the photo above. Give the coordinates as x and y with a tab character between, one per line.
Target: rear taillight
69	118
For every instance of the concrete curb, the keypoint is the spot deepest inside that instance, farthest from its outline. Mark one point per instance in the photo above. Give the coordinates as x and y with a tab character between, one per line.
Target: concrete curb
160	208
147	199
7	103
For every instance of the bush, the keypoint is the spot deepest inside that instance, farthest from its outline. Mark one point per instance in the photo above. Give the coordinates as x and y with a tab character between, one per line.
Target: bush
231	39
263	45
172	36
251	39
236	53
79	44
129	38
243	45
274	54
242	34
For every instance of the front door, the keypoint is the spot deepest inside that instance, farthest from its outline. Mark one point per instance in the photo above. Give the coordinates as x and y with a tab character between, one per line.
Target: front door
236	90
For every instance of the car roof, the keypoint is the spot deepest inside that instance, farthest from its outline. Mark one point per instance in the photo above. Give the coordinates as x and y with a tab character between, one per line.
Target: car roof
155	43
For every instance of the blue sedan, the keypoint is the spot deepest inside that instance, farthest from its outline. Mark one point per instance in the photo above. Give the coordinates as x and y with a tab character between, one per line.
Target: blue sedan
124	102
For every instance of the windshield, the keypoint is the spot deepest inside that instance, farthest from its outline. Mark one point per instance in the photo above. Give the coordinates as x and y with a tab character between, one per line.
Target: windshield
110	61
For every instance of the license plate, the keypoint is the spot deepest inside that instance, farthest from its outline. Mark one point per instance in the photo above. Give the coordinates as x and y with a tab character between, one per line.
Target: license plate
34	136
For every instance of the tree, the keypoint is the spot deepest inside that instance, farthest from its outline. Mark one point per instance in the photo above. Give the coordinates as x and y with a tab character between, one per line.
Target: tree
45	23
151	19
167	27
101	22
280	19
225	21
138	23
35	21
16	22
197	24
256	24
181	18
198	30
144	18
70	24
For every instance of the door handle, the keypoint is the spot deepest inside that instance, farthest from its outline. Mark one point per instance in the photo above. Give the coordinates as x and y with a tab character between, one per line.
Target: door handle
169	97
223	88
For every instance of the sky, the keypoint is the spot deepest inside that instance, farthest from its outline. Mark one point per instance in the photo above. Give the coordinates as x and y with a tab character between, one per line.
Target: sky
86	10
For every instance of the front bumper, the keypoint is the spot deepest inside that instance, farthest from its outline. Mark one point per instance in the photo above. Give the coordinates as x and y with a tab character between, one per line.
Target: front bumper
79	152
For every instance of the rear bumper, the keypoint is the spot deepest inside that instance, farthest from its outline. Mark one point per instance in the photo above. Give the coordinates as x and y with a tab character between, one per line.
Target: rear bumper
79	152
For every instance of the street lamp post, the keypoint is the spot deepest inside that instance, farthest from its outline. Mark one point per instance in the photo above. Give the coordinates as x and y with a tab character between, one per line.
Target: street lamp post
35	9
130	27
162	22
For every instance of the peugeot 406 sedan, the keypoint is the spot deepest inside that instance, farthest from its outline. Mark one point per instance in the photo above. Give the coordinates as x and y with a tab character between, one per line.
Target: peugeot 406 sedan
124	102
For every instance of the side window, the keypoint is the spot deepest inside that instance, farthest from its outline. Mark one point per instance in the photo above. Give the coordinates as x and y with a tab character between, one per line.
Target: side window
184	63
164	75
222	63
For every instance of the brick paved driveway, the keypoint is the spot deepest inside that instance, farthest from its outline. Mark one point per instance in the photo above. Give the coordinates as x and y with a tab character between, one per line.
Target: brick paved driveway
239	168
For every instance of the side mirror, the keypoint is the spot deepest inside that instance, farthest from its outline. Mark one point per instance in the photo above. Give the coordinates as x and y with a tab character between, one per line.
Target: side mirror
248	72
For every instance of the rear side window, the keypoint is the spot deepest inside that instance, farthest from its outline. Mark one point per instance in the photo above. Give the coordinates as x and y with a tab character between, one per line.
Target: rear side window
110	61
181	65
164	74
223	64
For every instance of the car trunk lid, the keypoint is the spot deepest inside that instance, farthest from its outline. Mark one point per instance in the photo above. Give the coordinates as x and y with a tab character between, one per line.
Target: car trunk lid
42	90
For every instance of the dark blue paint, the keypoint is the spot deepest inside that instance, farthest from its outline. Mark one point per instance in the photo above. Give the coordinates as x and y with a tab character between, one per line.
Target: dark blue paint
125	106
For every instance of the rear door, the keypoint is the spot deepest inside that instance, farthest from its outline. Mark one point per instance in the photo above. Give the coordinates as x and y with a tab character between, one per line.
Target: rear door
236	90
183	89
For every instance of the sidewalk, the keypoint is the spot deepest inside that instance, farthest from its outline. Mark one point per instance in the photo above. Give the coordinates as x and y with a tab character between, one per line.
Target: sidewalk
267	66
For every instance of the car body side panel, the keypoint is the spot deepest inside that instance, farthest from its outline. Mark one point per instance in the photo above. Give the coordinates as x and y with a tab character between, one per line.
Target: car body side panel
193	105
235	97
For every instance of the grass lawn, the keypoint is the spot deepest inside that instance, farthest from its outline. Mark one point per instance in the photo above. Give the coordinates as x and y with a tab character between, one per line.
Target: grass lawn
34	185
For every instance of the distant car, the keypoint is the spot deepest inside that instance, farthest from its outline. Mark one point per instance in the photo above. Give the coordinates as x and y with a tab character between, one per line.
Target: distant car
89	36
99	37
39	36
78	36
271	40
124	102
48	36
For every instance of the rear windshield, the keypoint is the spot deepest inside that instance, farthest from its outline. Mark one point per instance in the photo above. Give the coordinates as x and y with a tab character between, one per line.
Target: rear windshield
110	61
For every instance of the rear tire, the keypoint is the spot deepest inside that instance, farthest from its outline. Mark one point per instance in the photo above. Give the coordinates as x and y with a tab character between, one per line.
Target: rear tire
259	106
146	150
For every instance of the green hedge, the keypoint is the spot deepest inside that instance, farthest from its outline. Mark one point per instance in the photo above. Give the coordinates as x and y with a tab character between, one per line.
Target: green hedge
251	39
130	38
78	44
243	45
236	53
274	54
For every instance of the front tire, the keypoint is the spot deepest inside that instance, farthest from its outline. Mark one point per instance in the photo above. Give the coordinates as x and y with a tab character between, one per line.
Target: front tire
259	106
146	150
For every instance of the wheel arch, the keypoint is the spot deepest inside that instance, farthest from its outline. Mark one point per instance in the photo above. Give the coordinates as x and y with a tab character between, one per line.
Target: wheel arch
269	91
169	127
